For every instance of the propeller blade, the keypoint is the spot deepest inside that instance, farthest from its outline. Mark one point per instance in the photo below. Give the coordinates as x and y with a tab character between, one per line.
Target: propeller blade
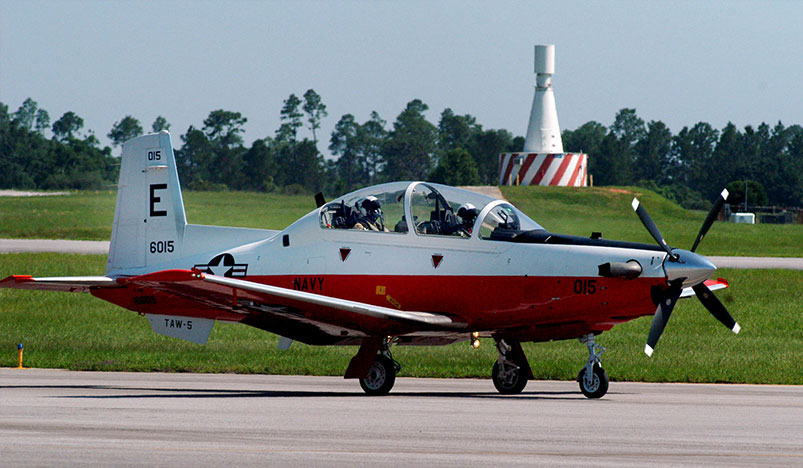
709	220
648	223
661	317
714	306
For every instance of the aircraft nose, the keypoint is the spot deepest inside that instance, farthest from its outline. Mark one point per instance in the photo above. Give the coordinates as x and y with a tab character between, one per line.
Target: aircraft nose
690	267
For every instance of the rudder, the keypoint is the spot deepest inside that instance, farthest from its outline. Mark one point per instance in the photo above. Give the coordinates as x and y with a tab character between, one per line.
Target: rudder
149	218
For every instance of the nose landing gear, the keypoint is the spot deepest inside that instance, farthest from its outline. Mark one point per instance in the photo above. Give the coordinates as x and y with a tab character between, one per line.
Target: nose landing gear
592	378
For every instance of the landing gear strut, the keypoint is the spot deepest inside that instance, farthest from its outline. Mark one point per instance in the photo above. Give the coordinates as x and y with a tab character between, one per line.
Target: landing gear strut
592	378
382	373
508	377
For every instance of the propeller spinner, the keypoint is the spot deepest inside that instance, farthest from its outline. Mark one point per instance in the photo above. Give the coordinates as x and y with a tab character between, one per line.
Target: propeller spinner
685	268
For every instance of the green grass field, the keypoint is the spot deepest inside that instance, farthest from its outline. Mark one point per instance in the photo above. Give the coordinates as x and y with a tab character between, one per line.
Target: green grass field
578	211
80	332
89	215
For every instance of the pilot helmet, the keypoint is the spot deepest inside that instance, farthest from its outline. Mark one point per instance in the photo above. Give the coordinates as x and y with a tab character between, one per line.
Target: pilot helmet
371	207
468	213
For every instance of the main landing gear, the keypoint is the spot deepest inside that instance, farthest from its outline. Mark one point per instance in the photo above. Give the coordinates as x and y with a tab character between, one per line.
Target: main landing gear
374	366
592	378
511	371
382	374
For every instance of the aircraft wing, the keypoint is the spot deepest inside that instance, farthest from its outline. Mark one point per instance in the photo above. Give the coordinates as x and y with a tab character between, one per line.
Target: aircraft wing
59	283
219	290
713	285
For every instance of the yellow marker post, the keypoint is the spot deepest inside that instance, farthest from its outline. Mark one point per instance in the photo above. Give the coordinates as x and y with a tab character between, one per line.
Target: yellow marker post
19	350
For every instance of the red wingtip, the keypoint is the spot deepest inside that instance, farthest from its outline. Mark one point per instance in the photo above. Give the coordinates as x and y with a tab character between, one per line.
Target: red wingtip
14	281
18	279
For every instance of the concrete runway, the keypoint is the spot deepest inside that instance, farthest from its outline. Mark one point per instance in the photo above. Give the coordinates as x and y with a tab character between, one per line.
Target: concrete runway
62	418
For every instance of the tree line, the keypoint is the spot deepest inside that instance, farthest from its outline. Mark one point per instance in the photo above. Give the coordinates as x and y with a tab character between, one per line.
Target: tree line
694	165
690	167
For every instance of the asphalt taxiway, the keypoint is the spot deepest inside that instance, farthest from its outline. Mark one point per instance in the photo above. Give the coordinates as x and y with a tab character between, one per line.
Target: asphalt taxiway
63	418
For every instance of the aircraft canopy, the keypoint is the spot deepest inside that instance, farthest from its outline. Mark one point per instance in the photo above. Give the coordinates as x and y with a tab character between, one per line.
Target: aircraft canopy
434	209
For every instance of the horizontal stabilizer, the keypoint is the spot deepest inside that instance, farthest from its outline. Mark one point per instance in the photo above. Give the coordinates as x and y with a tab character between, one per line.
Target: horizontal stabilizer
59	283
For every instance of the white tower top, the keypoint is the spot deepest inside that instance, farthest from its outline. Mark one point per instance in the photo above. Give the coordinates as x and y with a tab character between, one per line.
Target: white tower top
543	132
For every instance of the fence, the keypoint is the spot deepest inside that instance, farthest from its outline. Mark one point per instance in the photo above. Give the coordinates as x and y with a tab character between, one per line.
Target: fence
767	214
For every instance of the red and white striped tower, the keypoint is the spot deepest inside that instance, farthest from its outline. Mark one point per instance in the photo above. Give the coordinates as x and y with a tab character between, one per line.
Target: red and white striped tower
542	161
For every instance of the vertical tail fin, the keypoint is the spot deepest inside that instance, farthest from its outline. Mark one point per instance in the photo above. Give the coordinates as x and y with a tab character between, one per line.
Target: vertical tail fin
149	219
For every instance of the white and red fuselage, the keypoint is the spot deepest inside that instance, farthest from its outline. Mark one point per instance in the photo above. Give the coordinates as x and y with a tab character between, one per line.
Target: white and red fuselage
532	291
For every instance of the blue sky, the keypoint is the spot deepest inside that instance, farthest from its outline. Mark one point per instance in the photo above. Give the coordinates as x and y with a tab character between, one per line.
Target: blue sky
679	62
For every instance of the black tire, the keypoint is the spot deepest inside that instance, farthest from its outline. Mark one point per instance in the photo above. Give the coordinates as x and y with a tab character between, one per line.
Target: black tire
599	387
381	377
513	384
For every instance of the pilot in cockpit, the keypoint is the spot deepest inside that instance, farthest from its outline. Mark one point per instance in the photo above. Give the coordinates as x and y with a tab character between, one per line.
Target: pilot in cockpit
467	214
369	215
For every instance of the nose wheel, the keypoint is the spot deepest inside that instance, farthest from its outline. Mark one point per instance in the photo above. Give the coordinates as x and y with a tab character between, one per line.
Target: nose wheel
593	379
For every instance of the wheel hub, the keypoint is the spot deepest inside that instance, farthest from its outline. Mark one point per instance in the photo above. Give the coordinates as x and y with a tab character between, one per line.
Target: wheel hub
593	386
376	377
508	375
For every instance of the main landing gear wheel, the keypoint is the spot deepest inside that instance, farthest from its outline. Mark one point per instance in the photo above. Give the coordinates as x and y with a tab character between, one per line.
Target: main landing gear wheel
592	378
508	378
381	376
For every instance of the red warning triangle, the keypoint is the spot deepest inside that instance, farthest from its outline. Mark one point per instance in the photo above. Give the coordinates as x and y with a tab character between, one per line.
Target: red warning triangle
344	254
436	260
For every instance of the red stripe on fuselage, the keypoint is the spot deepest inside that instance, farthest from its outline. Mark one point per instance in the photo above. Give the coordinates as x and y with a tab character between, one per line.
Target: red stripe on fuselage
538	308
492	301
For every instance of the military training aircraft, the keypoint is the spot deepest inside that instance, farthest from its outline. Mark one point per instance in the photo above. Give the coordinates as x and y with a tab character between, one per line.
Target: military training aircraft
405	263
